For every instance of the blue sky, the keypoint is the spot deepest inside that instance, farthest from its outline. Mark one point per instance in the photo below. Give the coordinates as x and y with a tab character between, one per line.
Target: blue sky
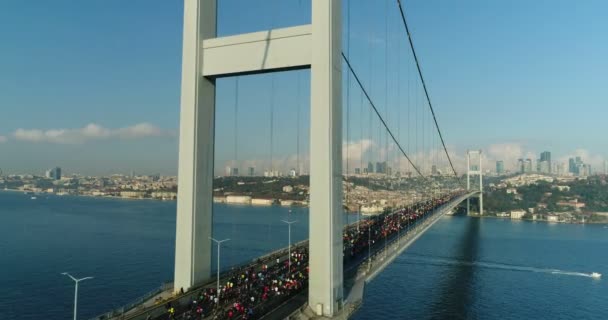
511	77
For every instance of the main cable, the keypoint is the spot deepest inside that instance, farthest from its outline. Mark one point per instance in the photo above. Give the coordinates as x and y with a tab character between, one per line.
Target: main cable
409	37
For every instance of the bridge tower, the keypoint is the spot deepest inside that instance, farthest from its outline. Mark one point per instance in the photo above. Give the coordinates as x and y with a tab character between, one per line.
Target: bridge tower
476	171
207	57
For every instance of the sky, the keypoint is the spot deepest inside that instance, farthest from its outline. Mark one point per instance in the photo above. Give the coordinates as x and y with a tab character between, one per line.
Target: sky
94	86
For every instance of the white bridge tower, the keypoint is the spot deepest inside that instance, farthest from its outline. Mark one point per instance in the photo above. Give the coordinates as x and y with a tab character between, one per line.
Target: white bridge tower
477	170
316	46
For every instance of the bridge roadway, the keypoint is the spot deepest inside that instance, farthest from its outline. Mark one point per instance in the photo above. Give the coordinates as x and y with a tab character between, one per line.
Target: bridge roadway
359	268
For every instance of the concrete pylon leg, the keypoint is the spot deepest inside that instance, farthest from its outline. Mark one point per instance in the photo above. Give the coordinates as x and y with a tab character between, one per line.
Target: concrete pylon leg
326	266
196	148
477	171
480	186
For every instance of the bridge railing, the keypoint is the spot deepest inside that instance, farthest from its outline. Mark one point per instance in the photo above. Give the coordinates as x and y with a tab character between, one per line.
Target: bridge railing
158	309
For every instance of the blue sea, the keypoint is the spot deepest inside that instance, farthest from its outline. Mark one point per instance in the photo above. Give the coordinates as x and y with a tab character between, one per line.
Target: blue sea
462	268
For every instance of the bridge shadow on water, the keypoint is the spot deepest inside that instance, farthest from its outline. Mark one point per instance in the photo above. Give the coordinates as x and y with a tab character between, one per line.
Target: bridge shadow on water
457	294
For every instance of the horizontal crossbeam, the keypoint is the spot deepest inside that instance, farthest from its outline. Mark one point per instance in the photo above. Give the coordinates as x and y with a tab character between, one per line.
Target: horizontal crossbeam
258	52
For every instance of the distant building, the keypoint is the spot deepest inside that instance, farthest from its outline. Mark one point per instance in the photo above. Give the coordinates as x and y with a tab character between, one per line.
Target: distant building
357	170
605	167
288	189
571	165
381	167
434	170
251	171
293	173
517	214
370	167
54	173
546	156
234	172
500	167
581	170
228	171
544	166
520	165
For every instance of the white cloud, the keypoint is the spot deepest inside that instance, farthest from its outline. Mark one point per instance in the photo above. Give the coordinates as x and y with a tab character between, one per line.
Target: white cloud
88	133
508	152
3	139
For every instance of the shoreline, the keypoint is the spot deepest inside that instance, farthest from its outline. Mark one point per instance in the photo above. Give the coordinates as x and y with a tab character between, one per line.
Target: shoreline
81	195
538	220
154	199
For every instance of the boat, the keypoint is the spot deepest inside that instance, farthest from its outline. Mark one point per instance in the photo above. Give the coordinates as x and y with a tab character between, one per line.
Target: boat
596	275
33	198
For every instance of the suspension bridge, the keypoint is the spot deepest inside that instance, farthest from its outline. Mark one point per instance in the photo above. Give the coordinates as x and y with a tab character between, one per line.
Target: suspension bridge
370	144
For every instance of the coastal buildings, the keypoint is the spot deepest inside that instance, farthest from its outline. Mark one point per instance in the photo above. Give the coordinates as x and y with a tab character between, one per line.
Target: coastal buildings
517	214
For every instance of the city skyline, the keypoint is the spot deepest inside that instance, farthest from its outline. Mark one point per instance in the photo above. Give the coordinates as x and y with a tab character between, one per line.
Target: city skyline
126	118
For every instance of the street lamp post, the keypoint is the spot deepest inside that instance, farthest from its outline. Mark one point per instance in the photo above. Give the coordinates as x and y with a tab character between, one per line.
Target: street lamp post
219	242
289	223
358	218
75	290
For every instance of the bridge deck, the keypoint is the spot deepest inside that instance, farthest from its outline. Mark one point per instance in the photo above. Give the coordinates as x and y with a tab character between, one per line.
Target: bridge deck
357	272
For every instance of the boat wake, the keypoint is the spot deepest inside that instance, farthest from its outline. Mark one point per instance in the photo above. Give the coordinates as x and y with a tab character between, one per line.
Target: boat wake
496	266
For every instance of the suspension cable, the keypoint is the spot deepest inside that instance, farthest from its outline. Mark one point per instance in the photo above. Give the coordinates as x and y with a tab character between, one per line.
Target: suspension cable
377	112
409	37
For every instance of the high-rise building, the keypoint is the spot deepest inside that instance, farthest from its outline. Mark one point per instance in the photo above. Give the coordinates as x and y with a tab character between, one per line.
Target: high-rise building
581	170
251	171
234	172
54	173
500	167
544	166
228	171
546	156
381	167
571	165
357	170
370	167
